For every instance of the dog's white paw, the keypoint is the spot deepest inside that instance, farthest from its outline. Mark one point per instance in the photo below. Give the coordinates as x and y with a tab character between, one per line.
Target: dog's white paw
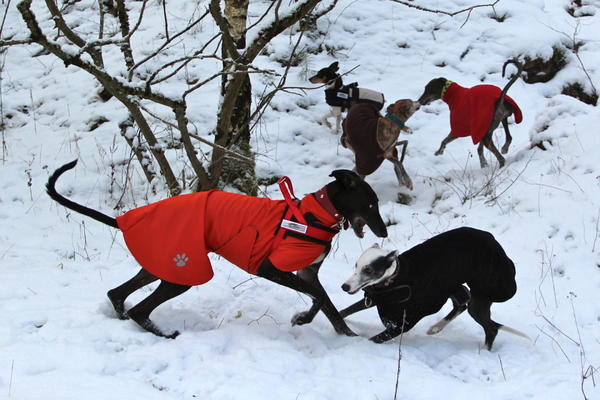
437	328
302	318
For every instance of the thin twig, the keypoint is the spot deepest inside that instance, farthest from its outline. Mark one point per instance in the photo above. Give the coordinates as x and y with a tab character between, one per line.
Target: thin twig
449	13
239	156
512	183
399	356
596	235
502	367
10	381
164	7
555	341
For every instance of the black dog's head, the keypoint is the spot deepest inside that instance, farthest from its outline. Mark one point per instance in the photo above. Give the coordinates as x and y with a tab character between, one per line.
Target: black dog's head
357	202
374	266
326	75
433	91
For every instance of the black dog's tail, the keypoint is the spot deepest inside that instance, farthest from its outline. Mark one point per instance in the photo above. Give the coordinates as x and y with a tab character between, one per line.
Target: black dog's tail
511	81
513	331
97	215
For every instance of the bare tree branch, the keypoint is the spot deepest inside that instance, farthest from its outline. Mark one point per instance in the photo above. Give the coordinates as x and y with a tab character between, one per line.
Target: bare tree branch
165	44
449	13
69	34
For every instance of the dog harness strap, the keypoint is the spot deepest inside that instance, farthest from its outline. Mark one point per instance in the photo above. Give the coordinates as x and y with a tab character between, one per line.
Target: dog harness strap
285	185
294	221
395	120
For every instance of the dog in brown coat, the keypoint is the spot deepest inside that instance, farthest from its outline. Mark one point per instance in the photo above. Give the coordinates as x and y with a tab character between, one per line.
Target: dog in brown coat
373	138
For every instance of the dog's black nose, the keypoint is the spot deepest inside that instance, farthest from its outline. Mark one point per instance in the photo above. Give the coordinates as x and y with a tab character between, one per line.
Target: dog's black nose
345	287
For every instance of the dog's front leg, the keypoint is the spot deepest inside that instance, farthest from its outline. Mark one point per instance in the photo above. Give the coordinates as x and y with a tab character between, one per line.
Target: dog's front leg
356	307
310	287
324	120
444	143
338	120
393	329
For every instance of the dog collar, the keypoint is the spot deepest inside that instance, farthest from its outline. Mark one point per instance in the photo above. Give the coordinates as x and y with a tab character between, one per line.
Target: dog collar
395	120
393	295
446	86
323	199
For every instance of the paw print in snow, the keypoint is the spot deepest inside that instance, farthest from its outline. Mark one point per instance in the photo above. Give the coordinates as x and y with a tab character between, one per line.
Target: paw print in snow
180	260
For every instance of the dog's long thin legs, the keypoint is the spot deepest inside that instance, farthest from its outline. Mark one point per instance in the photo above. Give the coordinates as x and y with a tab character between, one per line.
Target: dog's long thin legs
508	136
479	309
356	307
489	144
118	295
401	174
141	312
444	143
482	162
320	299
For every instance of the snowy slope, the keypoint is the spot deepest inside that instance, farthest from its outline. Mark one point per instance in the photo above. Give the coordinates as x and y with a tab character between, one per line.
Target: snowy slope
61	340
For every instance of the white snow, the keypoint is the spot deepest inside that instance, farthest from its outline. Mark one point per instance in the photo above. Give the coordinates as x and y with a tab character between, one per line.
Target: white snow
60	339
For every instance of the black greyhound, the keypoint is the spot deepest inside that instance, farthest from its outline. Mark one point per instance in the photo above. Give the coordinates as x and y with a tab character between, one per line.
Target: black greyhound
348	197
470	106
417	283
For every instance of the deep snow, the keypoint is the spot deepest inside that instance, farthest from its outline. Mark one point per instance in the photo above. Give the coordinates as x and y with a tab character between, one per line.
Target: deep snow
61	340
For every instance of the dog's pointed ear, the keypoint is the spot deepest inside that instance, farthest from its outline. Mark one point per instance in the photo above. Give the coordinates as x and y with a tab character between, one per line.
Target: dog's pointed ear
347	178
334	66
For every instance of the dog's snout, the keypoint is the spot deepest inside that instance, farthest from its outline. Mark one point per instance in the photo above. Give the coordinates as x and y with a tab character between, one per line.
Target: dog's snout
345	287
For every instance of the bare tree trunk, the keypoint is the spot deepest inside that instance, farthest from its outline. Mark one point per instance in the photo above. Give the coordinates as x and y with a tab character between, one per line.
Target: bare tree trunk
235	133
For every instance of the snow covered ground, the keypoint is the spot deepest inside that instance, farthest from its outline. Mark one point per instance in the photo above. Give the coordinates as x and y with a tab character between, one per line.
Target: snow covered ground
59	338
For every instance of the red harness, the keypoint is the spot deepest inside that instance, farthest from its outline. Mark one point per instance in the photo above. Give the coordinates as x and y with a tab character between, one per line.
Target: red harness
301	228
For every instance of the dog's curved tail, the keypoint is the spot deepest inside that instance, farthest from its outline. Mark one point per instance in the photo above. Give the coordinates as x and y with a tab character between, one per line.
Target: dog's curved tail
511	81
50	188
513	331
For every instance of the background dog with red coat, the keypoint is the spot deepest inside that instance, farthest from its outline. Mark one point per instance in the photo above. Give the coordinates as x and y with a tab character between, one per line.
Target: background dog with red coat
476	111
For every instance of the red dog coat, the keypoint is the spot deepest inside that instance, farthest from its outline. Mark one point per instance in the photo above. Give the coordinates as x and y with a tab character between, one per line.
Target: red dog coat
171	238
472	109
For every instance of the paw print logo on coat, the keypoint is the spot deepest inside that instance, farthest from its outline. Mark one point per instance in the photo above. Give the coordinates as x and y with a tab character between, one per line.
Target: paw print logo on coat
181	260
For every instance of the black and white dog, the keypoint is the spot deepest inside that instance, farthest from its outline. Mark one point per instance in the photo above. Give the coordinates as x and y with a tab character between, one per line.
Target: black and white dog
348	200
340	97
409	286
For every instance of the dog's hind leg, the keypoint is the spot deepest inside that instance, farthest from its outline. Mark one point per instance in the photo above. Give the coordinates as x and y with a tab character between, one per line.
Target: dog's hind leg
118	295
479	309
508	137
444	143
141	312
489	144
460	299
